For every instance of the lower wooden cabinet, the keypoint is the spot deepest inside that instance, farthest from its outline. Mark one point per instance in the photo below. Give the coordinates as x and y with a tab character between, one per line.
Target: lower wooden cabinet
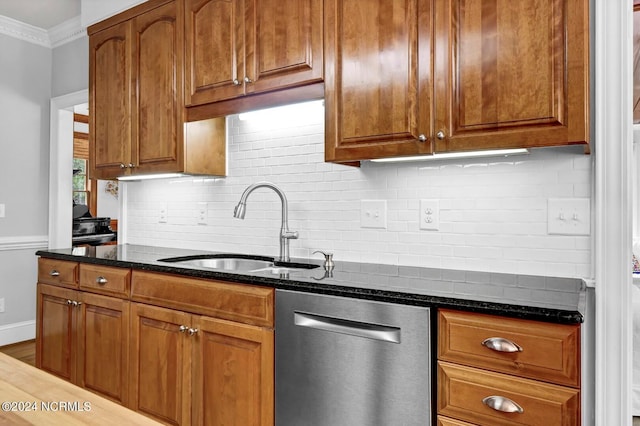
497	371
192	369
83	338
204	356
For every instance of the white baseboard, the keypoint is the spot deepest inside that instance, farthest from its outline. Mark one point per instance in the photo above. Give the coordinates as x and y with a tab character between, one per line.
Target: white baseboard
17	332
635	397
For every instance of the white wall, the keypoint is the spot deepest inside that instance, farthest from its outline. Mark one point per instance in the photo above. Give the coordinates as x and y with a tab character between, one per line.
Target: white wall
71	67
25	87
493	211
93	11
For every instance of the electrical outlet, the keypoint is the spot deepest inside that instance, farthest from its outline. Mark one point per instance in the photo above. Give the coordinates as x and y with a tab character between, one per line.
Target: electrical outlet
429	215
568	216
202	214
2	210
163	213
373	214
2	304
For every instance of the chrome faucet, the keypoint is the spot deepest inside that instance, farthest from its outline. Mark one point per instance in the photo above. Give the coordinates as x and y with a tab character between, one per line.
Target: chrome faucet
285	234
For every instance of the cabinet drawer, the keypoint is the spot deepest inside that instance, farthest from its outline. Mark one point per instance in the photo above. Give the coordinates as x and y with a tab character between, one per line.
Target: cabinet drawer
461	391
58	272
105	280
549	352
236	302
446	421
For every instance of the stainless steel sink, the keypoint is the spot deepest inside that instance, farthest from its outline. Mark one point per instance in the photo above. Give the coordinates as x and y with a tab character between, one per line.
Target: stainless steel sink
240	263
228	264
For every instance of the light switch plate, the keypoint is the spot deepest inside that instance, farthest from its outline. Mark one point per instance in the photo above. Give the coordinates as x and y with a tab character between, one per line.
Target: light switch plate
429	215
569	216
2	210
373	214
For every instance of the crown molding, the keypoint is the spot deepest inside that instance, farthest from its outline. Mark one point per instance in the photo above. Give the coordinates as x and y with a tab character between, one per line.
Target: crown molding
66	32
60	34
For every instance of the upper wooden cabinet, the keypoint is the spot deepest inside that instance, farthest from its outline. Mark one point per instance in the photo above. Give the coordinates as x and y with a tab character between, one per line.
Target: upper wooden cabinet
136	98
493	75
240	47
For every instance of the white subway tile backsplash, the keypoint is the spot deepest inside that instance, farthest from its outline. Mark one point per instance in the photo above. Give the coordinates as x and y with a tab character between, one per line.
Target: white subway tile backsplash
493	212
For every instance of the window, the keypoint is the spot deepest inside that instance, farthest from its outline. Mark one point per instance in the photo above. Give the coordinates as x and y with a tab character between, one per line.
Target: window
81	192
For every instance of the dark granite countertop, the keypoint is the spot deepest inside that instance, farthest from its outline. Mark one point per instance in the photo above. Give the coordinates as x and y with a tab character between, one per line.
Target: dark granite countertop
549	299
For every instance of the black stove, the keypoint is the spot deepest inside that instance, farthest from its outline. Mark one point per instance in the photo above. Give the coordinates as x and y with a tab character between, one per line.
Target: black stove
89	230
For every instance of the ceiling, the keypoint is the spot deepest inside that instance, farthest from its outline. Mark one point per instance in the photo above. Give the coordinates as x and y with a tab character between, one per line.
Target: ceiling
44	14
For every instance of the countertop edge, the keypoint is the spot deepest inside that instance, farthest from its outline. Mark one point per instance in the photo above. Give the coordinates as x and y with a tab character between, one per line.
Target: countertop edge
550	315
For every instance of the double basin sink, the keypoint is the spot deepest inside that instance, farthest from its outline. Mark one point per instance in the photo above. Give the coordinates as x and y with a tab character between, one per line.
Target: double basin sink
240	263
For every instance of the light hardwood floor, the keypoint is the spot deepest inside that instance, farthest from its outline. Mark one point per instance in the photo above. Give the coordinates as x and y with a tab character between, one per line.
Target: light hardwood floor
23	351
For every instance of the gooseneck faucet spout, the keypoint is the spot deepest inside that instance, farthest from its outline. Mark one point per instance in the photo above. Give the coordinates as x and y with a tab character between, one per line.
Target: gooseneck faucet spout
285	234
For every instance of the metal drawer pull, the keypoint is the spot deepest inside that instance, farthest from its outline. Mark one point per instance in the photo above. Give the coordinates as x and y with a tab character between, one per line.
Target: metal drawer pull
183	328
500	344
500	403
102	280
192	331
54	273
69	302
353	328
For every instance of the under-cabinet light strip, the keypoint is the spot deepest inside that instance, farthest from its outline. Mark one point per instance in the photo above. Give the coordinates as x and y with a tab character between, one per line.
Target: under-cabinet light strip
147	177
451	155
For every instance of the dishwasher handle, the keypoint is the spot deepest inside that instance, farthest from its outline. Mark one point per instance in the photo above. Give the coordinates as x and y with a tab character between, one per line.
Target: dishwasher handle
354	328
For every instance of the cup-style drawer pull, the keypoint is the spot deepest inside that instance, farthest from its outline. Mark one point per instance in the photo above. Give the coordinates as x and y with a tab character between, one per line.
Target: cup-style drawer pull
54	273
102	280
500	403
500	344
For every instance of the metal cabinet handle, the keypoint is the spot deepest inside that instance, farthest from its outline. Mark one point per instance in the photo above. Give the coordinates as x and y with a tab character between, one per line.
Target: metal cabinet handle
54	273
236	82
248	80
131	166
422	138
193	331
122	166
69	302
500	403
101	280
500	344
440	135
183	328
344	326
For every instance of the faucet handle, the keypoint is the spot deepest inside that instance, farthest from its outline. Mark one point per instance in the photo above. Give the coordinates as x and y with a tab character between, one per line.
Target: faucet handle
328	259
290	235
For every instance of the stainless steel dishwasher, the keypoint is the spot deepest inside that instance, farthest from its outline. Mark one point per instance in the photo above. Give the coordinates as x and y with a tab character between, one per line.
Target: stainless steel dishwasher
351	362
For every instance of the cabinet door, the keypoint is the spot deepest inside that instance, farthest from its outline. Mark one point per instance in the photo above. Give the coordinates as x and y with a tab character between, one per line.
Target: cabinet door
158	104
160	364
284	44
214	50
103	343
110	101
377	78
511	74
55	331
233	374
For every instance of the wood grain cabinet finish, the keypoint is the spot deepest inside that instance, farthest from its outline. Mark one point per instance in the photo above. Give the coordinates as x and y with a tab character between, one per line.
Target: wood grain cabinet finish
105	280
58	272
191	369
136	101
240	47
534	364
548	352
461	391
493	75
83	338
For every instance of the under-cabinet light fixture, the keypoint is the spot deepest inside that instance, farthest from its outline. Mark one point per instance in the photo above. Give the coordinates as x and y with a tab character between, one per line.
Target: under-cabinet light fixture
147	177
453	155
298	114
